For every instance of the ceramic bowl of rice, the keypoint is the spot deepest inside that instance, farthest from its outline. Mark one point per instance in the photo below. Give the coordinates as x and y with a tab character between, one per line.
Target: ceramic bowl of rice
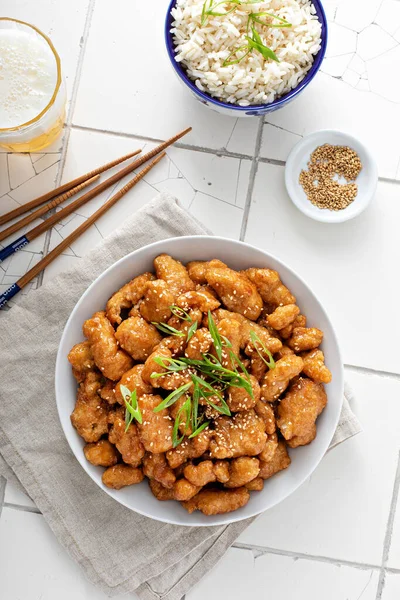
246	58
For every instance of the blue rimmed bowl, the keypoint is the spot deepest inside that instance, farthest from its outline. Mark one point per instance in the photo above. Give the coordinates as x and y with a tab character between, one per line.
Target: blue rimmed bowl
255	109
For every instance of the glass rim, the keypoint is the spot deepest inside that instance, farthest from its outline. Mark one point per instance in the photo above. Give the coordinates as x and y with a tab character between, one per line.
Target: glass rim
58	82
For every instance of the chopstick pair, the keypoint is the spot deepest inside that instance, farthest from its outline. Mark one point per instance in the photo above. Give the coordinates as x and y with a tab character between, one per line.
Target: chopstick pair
23	240
75	183
25	279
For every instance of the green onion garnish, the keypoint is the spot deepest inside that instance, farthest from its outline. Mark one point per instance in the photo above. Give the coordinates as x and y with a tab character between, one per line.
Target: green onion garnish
168	329
217	341
256	340
254	42
180	313
132	410
199	429
187	408
192	330
173	397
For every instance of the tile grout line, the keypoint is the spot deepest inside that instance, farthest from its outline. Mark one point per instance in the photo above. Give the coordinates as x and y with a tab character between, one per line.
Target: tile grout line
252	178
221	152
389	532
3	484
78	73
67	131
272	161
370	371
311	557
263	550
22	508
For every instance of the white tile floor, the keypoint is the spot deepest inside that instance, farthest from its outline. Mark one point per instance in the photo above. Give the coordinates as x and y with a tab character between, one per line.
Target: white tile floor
338	537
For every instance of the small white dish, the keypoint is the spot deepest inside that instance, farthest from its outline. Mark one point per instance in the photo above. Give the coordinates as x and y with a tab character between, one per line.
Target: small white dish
298	160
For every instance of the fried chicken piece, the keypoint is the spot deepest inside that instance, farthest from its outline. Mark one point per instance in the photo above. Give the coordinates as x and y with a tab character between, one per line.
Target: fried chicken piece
298	411
242	470
257	340
269	449
229	329
160	492
314	366
106	392
265	411
158	298
236	291
277	380
240	435
286	332
248	328
211	414
197	269
133	380
90	415
200	298
177	344
169	381
283	316
199	344
303	440
201	474
101	453
280	460
175	380
305	338
137	337
155	431
151	367
127	442
111	361
81	359
239	399
273	344
184	490
155	466
256	485
121	475
174	274
221	470
258	368
270	287
127	296
189	449
217	502
284	351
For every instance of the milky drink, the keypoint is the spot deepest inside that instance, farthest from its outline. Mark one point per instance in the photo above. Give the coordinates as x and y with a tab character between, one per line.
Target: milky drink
32	95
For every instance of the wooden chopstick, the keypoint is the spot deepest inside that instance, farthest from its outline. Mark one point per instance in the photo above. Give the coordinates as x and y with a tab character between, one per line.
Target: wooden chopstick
63	188
58	216
23	281
45	208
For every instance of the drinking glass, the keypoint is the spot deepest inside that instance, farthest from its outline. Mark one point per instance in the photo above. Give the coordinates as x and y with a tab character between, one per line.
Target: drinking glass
41	130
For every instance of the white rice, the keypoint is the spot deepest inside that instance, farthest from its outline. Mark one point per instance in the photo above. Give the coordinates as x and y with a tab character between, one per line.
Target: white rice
255	80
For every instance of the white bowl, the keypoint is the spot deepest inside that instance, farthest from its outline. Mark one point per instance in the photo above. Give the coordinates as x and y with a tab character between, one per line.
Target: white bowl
239	256
298	160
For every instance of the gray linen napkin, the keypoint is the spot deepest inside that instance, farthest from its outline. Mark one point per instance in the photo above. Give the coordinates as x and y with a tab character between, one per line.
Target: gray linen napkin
119	550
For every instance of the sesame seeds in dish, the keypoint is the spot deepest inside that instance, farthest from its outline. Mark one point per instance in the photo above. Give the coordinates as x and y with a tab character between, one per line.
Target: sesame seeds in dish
321	181
198	378
246	53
